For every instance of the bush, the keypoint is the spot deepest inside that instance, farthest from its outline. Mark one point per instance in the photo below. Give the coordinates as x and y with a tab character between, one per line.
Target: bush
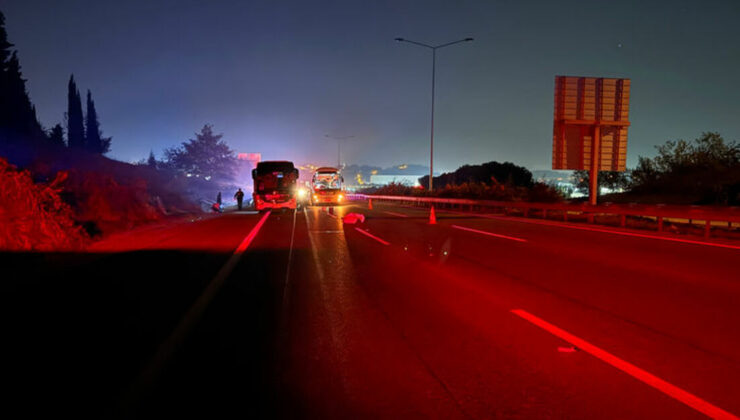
538	192
707	170
33	217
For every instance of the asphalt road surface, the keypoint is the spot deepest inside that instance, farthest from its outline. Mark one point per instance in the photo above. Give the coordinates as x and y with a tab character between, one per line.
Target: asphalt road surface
299	315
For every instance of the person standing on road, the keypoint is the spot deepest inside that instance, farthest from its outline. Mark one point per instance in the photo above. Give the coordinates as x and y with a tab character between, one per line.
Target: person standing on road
218	198
239	198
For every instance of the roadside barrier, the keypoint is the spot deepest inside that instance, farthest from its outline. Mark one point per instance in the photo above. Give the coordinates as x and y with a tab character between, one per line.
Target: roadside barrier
712	217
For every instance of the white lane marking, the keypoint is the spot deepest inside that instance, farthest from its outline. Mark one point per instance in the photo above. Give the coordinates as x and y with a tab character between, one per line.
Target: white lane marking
483	232
286	286
314	249
331	309
372	236
393	213
667	388
615	232
327	212
149	375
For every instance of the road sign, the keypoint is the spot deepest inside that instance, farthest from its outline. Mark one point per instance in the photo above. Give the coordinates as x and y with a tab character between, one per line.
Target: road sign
581	105
590	125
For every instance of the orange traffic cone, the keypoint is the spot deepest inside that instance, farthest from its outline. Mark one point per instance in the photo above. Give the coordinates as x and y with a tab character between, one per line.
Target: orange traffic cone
432	217
370	204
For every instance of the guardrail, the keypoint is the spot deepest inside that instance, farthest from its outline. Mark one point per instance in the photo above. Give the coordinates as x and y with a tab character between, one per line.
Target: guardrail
659	212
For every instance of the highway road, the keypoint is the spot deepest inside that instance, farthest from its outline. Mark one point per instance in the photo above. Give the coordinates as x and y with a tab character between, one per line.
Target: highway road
297	314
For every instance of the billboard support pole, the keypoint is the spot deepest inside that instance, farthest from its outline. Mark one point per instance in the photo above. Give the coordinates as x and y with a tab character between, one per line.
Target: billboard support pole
593	175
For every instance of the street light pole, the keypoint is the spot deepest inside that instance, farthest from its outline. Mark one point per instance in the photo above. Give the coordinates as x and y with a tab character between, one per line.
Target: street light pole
434	73
339	147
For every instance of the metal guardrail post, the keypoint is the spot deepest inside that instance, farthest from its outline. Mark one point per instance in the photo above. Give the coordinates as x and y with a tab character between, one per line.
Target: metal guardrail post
657	212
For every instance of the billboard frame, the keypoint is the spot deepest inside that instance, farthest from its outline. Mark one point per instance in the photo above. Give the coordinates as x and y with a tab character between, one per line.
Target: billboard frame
594	126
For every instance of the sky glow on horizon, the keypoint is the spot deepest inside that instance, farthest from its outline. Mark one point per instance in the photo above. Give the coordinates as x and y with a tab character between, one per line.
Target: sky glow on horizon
275	77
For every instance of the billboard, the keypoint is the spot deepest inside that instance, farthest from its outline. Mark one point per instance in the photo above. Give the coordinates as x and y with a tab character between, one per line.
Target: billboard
590	123
252	157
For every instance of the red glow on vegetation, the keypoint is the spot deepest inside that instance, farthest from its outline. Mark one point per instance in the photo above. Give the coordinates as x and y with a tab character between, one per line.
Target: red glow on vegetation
33	217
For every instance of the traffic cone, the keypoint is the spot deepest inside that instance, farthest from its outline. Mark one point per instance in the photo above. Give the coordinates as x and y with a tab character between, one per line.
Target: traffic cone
432	217
370	204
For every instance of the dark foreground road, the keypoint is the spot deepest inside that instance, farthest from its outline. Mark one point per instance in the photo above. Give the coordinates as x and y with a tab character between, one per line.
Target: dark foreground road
298	315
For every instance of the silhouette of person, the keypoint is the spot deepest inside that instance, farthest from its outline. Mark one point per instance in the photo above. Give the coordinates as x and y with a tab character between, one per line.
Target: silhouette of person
239	198
218	198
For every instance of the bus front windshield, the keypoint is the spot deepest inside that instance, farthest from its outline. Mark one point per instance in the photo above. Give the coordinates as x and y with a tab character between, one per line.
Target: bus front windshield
327	181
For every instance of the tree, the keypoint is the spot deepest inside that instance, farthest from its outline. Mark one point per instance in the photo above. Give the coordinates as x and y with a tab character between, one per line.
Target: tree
487	173
56	135
152	161
206	156
94	142
17	114
4	44
5	103
75	127
18	119
707	169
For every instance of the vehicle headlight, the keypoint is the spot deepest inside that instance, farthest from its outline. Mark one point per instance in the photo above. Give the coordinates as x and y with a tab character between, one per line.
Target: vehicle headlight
301	193
341	197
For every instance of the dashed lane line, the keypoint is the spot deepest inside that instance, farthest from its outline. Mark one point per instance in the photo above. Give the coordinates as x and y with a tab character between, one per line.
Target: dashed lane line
593	229
483	232
372	236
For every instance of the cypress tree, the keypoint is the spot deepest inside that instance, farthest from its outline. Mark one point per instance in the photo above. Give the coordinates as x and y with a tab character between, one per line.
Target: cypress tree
92	127
4	44
56	135
17	114
20	114
4	99
94	141
152	161
75	128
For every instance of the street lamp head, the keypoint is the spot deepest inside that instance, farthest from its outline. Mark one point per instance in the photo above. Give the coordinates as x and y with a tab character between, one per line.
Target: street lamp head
400	39
468	39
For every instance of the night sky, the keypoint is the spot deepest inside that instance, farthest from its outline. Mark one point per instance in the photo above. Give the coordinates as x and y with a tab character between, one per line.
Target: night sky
275	77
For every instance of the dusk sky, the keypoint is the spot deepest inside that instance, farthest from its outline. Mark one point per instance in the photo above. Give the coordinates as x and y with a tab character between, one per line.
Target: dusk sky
275	77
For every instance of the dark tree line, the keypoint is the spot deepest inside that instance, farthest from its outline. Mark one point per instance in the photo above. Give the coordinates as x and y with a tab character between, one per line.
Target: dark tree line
706	169
83	133
18	120
487	173
17	113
